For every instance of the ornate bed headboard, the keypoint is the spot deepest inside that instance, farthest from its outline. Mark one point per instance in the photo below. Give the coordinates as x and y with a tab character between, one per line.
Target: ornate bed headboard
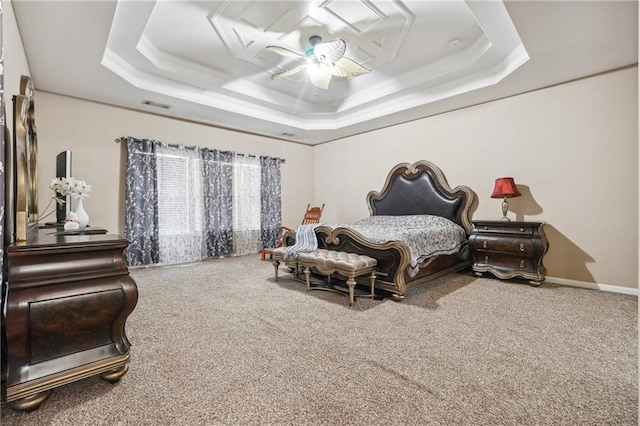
422	188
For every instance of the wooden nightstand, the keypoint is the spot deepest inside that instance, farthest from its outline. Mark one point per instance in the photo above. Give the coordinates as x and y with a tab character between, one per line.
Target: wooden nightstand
509	249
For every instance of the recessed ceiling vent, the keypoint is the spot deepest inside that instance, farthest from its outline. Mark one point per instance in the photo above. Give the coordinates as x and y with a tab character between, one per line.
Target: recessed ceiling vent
156	105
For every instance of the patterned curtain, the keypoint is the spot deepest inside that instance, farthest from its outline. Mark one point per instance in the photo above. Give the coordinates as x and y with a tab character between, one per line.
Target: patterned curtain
270	201
141	206
217	169
180	204
246	204
185	204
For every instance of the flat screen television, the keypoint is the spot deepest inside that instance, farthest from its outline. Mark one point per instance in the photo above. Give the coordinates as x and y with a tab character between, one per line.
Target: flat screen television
63	170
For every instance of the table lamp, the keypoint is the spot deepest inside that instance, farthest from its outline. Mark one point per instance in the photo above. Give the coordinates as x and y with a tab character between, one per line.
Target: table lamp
505	188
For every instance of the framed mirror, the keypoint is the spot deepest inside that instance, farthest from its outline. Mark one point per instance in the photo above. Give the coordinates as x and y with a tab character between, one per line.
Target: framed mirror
25	162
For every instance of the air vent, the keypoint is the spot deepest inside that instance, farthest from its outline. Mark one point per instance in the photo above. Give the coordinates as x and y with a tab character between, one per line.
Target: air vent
156	105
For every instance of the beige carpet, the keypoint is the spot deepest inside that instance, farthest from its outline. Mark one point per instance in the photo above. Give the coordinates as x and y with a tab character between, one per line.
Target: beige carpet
221	343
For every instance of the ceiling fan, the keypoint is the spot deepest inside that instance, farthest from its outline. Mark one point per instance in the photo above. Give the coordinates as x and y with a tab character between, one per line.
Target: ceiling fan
324	60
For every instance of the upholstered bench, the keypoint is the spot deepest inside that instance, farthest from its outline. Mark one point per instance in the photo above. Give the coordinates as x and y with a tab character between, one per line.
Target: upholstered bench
327	262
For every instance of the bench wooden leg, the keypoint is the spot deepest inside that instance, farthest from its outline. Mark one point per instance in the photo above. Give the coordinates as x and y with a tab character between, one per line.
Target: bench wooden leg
276	265
307	274
351	283
373	284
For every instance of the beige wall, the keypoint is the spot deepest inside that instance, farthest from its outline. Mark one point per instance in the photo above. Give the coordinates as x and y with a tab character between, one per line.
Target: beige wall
15	61
89	130
572	150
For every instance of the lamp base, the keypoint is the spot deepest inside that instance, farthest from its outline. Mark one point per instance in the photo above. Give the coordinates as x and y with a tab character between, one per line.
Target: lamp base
505	208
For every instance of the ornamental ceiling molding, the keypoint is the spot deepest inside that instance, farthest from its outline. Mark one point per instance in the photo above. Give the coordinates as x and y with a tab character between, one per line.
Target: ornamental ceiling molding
240	81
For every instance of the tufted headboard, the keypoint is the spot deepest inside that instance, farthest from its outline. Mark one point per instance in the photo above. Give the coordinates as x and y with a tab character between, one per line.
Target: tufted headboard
422	188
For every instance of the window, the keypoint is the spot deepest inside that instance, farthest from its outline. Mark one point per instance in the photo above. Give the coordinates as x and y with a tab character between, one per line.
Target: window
180	204
246	194
246	205
185	204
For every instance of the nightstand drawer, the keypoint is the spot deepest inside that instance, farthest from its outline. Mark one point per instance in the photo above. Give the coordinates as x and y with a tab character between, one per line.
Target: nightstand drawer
522	246
505	228
502	261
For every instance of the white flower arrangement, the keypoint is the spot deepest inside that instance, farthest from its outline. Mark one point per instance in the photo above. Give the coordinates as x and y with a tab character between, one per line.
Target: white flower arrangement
76	188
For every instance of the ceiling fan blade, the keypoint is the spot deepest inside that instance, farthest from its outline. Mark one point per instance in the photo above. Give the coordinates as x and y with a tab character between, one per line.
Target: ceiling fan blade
288	72
320	79
330	51
345	67
285	52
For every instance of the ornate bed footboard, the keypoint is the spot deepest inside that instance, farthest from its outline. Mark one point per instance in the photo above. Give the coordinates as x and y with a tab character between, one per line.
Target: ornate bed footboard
393	257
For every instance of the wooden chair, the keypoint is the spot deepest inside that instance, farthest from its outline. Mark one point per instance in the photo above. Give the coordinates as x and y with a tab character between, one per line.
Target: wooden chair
311	215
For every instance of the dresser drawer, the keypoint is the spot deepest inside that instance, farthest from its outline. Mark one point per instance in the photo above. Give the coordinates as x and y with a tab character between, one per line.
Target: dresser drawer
505	262
505	228
522	246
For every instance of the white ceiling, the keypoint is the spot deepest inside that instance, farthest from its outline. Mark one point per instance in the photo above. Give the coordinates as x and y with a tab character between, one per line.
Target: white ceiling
207	61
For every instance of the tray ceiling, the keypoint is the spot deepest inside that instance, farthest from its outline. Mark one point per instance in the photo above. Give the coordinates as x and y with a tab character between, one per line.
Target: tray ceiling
206	61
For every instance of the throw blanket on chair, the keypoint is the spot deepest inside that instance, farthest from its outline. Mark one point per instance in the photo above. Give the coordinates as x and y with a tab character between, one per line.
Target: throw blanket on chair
306	241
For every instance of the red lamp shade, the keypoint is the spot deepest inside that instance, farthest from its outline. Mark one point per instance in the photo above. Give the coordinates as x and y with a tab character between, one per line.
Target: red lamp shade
505	188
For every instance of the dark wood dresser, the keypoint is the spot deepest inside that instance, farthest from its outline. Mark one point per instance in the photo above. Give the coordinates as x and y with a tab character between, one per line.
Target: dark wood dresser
509	249
67	301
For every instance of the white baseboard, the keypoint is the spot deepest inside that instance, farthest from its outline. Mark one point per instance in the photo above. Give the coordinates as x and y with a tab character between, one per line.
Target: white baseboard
593	286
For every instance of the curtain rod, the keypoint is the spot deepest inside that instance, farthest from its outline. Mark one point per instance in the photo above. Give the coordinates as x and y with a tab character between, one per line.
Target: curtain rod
124	139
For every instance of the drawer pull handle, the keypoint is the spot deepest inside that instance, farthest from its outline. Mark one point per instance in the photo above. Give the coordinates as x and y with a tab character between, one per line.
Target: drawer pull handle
521	247
522	264
486	259
486	228
521	229
484	244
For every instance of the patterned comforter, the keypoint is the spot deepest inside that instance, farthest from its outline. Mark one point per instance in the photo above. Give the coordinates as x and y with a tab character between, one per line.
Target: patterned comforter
424	235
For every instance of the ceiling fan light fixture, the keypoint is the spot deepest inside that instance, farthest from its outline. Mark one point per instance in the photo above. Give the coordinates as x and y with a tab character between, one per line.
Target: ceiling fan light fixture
319	69
324	60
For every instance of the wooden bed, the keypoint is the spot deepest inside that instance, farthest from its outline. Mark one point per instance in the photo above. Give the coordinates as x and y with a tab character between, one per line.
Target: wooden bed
410	189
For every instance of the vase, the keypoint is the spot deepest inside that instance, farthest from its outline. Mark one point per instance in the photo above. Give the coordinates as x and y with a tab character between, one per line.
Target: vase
83	217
